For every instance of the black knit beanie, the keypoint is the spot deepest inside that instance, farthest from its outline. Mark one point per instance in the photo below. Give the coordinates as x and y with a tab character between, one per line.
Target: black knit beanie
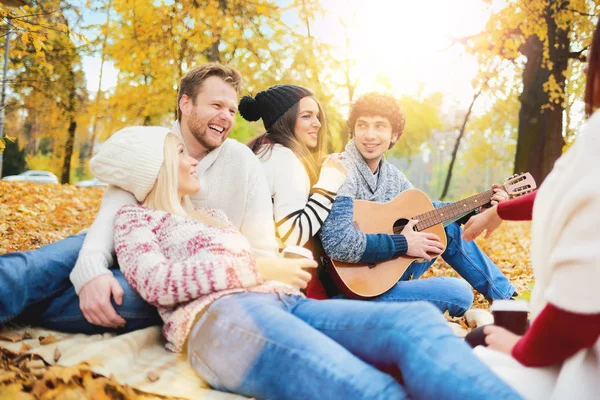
271	104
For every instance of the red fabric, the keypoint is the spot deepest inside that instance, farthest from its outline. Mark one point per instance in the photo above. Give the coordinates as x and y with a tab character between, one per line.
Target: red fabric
519	209
315	289
556	335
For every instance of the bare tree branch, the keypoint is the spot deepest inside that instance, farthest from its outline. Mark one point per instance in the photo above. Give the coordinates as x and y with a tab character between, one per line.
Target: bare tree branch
581	13
578	55
42	14
459	138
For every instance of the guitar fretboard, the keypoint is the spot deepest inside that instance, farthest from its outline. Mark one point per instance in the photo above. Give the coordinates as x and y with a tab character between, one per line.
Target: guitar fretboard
451	211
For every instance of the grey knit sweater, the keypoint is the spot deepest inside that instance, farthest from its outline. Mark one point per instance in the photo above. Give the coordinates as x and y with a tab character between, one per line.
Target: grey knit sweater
340	239
361	184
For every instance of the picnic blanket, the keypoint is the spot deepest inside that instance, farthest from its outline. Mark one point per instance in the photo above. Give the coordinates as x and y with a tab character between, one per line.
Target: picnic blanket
130	358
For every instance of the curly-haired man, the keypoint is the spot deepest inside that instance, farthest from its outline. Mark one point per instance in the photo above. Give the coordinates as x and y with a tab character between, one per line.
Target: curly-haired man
376	123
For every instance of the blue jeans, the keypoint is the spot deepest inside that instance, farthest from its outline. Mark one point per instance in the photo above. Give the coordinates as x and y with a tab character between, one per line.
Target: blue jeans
471	263
474	265
35	289
452	294
288	347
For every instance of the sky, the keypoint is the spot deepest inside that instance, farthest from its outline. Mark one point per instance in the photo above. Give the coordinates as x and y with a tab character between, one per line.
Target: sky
91	65
410	42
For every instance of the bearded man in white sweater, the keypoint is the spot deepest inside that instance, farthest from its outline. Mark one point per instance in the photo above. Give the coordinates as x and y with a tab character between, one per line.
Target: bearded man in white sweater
231	179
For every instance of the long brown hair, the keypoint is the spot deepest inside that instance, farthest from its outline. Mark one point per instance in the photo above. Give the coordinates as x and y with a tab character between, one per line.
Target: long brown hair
591	99
282	132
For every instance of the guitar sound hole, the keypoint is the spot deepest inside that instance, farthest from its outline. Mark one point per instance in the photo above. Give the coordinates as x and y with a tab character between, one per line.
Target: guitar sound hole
399	225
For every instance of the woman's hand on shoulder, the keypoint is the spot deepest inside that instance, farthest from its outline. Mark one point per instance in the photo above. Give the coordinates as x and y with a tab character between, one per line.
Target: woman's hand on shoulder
291	271
335	161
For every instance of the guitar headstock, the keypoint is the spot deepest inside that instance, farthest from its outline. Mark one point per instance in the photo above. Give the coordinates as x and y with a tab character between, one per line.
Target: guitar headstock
520	184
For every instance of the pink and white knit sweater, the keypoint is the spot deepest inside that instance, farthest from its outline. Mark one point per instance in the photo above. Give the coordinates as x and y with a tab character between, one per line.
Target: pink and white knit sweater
181	265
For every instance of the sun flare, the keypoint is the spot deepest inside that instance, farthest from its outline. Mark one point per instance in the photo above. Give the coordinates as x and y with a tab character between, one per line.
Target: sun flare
408	43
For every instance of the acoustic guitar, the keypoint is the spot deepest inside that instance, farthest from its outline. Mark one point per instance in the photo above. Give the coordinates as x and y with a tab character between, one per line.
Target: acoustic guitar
363	281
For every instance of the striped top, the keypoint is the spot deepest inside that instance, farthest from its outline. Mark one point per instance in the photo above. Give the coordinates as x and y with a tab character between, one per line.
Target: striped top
298	210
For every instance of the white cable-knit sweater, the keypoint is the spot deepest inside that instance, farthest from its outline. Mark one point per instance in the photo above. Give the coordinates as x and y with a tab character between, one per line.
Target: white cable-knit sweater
565	257
231	179
298	210
181	265
565	252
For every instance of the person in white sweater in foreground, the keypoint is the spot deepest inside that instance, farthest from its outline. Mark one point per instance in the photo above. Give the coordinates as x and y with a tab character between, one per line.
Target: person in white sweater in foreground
559	356
227	170
248	328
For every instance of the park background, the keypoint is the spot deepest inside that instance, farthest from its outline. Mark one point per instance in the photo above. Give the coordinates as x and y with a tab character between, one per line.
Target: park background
504	78
490	87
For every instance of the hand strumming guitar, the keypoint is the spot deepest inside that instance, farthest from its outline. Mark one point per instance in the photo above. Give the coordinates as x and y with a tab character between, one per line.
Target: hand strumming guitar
421	244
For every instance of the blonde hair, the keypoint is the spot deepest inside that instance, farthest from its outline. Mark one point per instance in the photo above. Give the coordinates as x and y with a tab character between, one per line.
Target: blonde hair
164	193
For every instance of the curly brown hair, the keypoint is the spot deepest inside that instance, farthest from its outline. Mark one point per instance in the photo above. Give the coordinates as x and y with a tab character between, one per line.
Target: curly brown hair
378	104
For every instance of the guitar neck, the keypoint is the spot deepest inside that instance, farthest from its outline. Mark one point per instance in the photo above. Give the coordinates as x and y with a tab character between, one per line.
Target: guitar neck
453	210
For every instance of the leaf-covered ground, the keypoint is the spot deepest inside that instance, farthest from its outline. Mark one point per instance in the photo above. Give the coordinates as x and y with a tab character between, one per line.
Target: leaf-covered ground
28	377
33	215
508	247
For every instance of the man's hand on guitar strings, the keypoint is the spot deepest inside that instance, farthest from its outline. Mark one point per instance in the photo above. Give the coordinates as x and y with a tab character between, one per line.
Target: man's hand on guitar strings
499	196
421	244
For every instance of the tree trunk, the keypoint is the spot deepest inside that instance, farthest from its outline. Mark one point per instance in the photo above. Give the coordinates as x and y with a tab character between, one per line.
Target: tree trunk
214	54
457	144
350	87
180	59
345	135
540	140
99	92
66	169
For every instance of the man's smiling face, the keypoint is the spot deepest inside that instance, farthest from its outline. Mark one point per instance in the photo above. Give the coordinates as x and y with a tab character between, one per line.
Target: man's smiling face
373	136
210	117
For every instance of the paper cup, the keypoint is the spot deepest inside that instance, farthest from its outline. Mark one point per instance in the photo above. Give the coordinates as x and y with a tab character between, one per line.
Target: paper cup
511	315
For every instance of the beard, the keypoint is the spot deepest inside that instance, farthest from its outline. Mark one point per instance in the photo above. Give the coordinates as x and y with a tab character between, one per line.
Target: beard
201	133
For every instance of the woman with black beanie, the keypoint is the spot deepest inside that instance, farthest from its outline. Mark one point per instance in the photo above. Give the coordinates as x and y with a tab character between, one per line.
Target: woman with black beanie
291	151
